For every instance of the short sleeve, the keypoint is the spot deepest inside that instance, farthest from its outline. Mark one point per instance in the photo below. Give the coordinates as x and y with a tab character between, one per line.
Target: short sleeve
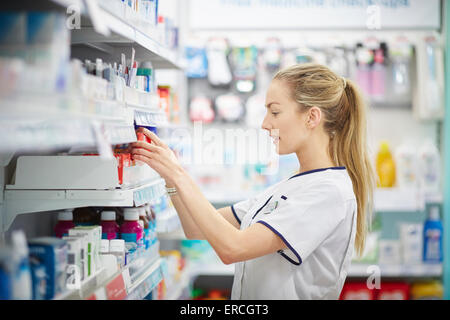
303	221
241	208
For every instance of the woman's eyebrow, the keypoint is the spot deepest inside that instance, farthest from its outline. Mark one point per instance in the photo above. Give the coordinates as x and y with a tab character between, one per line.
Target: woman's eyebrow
268	105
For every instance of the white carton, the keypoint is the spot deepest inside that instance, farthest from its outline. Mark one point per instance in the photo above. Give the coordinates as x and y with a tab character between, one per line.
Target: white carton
83	252
74	268
411	240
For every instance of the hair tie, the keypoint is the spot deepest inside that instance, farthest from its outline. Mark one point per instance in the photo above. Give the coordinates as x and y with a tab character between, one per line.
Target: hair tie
345	82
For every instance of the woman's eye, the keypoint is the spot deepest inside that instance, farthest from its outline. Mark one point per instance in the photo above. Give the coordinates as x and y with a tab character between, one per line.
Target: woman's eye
275	113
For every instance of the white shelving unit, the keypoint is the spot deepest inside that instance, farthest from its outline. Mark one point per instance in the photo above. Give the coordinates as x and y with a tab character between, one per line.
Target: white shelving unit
396	271
28	201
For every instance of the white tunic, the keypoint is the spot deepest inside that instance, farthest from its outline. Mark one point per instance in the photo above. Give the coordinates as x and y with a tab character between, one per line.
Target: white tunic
314	213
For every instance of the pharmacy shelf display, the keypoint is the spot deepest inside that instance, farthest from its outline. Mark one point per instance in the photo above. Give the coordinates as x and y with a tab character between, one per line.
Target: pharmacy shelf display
120	28
134	282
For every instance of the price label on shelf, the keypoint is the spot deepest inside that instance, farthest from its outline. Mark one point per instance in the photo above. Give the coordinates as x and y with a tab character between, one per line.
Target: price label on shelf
115	290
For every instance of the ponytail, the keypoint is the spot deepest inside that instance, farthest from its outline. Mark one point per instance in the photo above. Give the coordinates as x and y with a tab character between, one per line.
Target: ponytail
348	147
345	122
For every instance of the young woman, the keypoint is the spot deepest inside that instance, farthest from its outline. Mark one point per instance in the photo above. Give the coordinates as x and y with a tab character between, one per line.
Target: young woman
296	239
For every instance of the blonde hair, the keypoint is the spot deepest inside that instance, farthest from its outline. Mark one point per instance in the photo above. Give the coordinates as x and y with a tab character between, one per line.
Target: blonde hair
345	121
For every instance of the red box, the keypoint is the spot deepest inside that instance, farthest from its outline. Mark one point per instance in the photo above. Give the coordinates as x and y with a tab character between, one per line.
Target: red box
120	161
357	291
393	291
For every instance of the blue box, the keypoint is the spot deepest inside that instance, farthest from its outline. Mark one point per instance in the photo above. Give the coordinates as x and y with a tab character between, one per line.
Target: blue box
52	254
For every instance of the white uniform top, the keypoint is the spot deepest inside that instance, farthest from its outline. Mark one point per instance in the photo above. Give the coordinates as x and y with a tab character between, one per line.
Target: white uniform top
314	213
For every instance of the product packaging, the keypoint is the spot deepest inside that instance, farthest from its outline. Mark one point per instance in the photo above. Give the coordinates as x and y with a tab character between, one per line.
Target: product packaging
357	291
393	291
110	229
385	167
83	264
65	222
389	252
52	254
94	238
432	237
74	266
117	248
7	270
411	242
427	291
22	285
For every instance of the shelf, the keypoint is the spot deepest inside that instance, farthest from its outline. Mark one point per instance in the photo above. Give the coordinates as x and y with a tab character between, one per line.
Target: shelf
87	285
29	201
358	270
134	281
123	35
40	122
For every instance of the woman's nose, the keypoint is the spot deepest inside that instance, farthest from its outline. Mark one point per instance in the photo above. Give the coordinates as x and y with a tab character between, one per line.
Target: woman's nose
265	124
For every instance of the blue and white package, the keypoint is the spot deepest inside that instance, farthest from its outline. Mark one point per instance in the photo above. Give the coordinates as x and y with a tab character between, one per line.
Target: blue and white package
52	254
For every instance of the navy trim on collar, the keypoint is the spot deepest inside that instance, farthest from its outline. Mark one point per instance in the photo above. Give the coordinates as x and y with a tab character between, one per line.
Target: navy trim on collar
317	170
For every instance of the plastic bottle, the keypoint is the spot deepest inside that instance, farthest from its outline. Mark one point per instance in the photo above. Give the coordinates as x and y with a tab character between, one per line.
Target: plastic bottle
385	167
146	226
65	222
83	217
400	54
430	167
152	218
22	285
432	236
110	229
378	87
364	58
407	166
130	230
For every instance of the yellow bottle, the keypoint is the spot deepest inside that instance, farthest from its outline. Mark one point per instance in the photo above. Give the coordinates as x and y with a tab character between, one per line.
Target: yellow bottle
385	167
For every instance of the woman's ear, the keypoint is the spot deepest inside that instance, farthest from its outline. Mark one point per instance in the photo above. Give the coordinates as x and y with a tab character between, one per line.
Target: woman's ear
314	117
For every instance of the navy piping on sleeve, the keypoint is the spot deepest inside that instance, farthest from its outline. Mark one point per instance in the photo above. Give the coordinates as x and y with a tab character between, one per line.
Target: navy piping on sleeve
262	207
317	170
286	242
235	215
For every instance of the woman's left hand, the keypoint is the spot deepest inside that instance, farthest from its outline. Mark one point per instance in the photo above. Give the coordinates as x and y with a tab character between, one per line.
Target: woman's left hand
158	156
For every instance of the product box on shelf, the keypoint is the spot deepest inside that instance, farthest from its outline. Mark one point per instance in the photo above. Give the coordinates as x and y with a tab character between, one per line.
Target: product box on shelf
357	291
52	254
94	234
393	291
411	242
74	263
84	240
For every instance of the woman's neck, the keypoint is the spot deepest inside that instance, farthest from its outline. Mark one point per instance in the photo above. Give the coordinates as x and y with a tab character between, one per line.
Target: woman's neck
314	156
